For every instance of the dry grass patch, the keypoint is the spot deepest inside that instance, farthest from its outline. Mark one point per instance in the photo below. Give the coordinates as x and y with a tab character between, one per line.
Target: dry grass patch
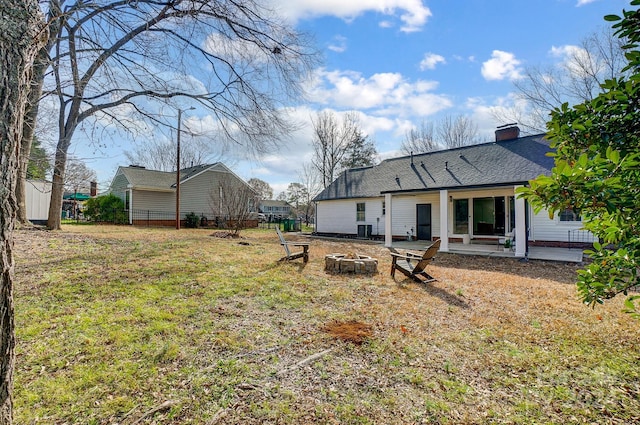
350	331
127	325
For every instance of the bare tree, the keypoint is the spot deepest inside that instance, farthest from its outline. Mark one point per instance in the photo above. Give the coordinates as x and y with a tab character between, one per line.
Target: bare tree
578	78
457	132
331	140
262	188
233	202
21	35
296	194
162	155
419	140
309	177
34	93
78	177
450	132
113	62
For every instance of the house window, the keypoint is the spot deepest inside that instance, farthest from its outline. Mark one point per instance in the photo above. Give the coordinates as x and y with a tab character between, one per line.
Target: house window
360	211
384	207
570	215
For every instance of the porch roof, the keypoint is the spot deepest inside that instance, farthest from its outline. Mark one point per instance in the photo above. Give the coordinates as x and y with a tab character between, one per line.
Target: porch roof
502	163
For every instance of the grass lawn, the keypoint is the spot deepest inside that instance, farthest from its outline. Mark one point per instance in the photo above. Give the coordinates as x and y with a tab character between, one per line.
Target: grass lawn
120	325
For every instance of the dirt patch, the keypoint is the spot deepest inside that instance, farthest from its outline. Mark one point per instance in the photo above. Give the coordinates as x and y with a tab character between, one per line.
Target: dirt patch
225	235
352	331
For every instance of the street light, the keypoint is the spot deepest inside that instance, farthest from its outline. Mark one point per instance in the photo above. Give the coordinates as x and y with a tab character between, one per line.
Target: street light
178	168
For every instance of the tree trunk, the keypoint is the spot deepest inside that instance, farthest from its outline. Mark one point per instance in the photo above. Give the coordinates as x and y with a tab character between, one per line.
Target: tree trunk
28	131
57	187
20	37
59	170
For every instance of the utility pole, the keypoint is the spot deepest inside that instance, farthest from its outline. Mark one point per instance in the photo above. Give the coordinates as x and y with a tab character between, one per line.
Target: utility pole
178	172
178	169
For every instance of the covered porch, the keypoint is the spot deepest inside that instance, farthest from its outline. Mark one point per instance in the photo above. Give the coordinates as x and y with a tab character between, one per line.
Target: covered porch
481	215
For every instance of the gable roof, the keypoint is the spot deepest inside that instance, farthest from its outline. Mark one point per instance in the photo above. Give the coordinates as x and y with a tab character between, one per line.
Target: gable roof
142	178
508	162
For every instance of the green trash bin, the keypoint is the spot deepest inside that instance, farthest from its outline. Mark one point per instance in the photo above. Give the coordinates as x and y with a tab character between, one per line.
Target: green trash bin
286	223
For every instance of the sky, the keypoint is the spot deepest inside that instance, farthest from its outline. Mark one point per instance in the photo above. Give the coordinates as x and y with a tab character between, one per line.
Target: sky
400	62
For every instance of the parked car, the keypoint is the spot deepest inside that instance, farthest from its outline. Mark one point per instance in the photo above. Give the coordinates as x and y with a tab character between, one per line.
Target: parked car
258	216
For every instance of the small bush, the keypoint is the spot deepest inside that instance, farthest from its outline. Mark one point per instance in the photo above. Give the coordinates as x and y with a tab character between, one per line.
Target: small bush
191	220
106	208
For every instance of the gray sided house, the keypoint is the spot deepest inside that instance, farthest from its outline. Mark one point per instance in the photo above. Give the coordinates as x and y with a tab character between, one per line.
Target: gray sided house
459	195
151	195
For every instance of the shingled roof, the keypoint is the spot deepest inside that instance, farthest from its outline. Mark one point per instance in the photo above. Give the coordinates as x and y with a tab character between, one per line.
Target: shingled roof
503	163
140	177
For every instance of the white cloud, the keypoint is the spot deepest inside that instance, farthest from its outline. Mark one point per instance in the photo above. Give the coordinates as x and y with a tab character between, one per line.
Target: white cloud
502	65
233	50
374	124
379	94
412	13
576	60
583	2
430	61
339	44
566	51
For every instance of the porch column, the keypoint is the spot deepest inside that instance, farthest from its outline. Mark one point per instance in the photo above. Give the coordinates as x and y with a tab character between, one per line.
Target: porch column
521	226
388	231
444	220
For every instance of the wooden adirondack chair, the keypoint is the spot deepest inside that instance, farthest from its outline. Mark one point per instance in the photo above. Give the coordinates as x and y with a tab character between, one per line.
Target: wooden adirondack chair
304	254
413	265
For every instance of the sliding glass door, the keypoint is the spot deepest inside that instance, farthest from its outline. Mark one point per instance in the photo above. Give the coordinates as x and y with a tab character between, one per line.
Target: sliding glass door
490	216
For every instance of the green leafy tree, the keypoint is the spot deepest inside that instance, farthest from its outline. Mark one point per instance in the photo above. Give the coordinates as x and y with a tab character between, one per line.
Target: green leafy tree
39	165
597	174
361	152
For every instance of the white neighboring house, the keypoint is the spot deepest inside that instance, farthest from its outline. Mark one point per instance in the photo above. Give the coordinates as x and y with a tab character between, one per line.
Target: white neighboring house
37	198
458	195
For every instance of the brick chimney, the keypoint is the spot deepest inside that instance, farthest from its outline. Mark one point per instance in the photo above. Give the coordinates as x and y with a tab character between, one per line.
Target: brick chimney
94	189
507	132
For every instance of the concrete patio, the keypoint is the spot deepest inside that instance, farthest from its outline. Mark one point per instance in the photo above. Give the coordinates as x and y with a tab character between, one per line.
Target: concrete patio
494	250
